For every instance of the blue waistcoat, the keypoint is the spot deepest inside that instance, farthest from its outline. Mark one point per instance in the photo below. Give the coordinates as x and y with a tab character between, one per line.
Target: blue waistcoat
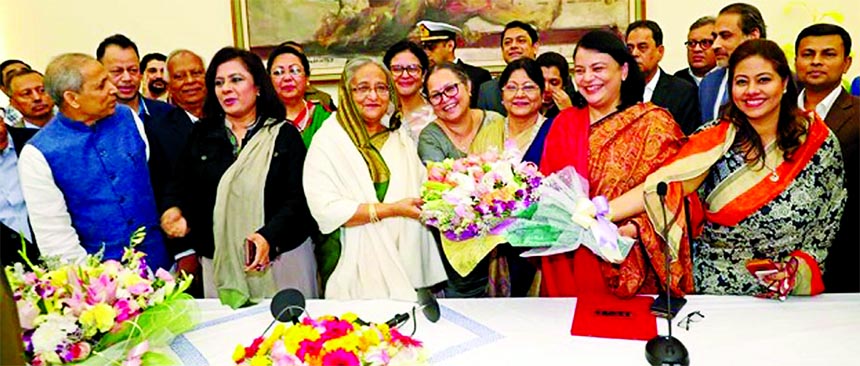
102	172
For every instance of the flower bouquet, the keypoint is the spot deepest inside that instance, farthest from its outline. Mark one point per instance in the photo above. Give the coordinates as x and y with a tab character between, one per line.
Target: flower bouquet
471	201
565	218
99	313
329	340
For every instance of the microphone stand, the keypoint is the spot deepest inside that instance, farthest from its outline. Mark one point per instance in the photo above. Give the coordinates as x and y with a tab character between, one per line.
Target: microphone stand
666	350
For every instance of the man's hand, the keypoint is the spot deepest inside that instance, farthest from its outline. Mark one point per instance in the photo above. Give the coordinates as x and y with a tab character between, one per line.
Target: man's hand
173	223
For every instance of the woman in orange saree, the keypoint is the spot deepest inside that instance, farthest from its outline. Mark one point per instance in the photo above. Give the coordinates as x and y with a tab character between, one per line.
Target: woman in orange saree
614	141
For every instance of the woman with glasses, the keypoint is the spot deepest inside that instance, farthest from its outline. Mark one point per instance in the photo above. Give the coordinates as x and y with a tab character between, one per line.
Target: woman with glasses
236	192
363	182
769	182
614	141
408	63
524	128
448	90
452	135
289	70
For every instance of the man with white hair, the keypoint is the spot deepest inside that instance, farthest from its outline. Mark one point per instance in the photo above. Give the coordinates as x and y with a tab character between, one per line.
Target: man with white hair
84	176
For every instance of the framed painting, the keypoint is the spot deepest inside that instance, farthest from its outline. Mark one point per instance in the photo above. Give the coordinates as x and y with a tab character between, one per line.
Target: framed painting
332	31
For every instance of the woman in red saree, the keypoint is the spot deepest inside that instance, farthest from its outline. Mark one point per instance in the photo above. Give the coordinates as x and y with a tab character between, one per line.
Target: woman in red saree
613	140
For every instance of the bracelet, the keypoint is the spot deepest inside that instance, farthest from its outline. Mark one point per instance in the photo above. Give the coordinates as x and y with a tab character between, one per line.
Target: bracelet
371	211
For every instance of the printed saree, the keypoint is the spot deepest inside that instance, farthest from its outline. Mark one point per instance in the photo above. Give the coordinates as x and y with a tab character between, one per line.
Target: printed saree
751	211
615	154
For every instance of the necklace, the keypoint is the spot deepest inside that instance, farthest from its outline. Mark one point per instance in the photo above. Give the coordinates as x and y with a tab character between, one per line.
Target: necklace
461	144
774	177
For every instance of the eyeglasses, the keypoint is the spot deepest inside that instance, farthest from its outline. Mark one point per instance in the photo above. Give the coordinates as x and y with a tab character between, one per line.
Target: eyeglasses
527	88
705	43
412	69
294	70
364	90
692	317
450	91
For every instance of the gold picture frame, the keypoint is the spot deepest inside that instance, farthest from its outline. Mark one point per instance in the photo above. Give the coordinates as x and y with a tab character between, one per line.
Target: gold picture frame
332	31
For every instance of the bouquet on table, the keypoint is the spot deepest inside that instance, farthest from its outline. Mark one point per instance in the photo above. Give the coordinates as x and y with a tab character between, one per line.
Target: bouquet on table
472	200
99	313
329	340
565	218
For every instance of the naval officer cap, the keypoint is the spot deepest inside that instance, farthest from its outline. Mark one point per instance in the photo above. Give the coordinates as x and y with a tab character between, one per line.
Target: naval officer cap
436	31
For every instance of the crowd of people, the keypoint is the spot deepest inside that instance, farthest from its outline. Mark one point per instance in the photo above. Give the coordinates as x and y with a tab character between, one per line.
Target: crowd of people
246	176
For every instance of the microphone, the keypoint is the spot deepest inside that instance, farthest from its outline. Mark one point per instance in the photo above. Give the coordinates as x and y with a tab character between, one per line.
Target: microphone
666	350
426	303
287	306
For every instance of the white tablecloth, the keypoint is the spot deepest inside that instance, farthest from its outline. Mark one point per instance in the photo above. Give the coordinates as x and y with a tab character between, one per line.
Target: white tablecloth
824	330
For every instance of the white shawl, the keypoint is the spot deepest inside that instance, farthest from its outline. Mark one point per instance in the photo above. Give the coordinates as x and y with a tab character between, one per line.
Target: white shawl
388	259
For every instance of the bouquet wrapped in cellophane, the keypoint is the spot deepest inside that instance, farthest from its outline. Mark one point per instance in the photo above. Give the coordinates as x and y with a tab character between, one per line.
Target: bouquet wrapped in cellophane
566	218
471	201
100	313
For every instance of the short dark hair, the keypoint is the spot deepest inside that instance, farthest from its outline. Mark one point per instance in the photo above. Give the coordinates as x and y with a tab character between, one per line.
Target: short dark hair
118	40
533	33
601	41
555	59
288	48
22	72
452	67
651	25
412	47
149	57
751	18
268	105
526	64
298	46
8	63
824	29
703	21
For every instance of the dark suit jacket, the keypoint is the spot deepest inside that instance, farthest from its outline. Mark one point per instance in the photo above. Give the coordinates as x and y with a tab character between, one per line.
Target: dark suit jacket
10	241
478	76
490	98
708	90
685	74
842	266
680	98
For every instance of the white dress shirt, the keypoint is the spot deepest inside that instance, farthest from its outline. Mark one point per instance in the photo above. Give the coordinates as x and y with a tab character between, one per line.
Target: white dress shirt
823	107
649	88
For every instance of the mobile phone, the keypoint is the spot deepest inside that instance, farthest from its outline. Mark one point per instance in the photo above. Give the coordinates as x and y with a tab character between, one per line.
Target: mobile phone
660	309
250	252
762	267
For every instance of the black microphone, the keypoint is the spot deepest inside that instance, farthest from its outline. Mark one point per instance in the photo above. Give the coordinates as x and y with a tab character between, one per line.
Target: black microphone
287	306
428	305
666	350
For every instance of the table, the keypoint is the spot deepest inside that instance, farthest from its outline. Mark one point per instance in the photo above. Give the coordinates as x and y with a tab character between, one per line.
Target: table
822	330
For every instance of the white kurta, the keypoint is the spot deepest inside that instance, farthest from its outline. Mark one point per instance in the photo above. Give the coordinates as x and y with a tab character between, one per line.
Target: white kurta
388	259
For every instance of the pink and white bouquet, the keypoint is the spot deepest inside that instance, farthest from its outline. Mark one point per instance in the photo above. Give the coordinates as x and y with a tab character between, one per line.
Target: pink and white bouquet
98	312
476	195
330	340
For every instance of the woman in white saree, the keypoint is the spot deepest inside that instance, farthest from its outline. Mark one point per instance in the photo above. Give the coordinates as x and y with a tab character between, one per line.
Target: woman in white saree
362	177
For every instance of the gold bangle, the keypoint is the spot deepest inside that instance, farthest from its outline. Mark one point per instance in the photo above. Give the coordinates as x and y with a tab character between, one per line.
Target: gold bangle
371	211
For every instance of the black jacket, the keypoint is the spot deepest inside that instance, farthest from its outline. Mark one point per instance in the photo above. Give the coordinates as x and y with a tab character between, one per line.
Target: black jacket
681	99
478	76
207	156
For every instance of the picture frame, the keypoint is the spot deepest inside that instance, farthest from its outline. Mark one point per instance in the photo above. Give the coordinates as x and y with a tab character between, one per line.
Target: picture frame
333	31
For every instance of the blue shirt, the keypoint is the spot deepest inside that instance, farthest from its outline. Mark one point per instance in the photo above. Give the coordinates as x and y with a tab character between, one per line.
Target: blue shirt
13	209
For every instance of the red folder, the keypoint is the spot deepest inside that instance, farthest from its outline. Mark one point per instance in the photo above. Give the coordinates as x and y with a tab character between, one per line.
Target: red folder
607	316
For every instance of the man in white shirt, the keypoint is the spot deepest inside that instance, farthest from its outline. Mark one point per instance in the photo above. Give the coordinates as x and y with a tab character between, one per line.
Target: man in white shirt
645	42
822	56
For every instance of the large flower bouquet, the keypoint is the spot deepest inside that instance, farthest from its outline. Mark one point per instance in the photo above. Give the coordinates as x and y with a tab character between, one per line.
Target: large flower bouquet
329	340
99	313
471	201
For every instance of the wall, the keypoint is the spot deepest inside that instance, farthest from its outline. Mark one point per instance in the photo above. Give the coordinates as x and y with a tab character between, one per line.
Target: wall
37	30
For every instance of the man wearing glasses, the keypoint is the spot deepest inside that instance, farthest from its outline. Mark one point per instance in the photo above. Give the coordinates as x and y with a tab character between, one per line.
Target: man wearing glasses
439	41
700	56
